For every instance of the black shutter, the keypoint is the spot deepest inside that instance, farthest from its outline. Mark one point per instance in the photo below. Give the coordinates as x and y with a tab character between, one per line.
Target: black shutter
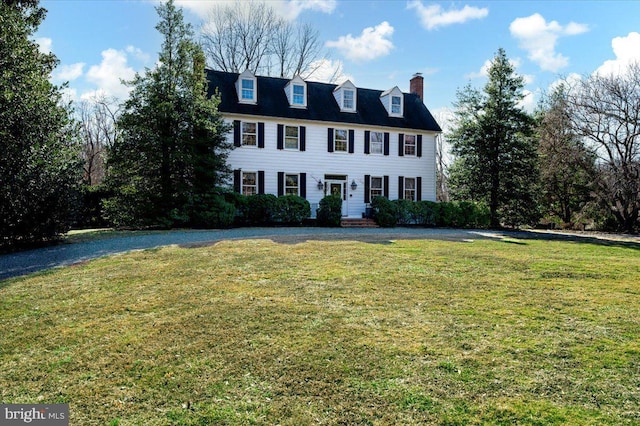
418	189
367	143
280	184
400	187
260	135
236	133
367	188
261	182
386	143
329	139
302	190
237	181
303	138
401	144
280	136
386	187
352	142
419	147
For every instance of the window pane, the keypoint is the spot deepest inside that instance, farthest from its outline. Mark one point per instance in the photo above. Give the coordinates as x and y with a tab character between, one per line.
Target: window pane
376	142
376	182
340	140
291	137
291	184
247	89
298	94
396	102
249	183
348	99
249	133
409	144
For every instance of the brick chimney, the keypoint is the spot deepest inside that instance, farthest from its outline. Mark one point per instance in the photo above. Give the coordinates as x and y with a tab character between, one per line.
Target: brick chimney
416	85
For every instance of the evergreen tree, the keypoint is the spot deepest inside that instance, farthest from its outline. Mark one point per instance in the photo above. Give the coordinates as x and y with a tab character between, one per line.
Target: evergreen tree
39	167
172	151
496	153
567	168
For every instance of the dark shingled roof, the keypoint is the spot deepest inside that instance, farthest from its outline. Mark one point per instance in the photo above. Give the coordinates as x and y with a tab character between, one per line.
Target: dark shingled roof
321	105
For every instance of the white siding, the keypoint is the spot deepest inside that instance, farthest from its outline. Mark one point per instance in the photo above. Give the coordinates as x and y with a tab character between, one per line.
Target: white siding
316	161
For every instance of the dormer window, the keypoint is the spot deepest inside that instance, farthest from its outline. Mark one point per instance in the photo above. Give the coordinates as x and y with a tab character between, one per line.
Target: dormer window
396	105
298	94
392	100
346	96
296	91
246	88
347	99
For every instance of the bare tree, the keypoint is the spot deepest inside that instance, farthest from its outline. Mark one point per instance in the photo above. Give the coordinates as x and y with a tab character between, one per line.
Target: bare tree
605	110
250	35
97	118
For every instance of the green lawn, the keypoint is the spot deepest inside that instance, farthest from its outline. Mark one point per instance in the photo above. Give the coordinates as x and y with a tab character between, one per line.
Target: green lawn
257	332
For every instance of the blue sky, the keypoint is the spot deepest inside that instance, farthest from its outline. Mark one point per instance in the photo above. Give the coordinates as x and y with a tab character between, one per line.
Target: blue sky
377	44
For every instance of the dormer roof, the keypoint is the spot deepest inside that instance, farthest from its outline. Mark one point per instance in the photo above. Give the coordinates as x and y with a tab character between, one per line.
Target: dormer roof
346	95
296	91
321	104
247	87
393	101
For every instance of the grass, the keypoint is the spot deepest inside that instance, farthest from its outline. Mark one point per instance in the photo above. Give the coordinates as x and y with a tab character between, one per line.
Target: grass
259	332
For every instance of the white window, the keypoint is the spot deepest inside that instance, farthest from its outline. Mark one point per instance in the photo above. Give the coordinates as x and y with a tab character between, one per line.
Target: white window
376	142
410	145
249	183
375	187
291	184
247	89
291	137
249	133
298	94
341	140
410	189
347	100
396	105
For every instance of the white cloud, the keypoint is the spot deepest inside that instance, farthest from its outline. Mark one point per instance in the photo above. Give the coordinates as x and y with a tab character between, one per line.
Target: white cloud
327	71
373	43
108	74
539	37
138	54
627	50
69	72
434	16
289	9
44	44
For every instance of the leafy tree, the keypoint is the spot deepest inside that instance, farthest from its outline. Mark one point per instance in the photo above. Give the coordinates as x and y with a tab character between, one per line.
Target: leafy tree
492	139
172	148
605	111
566	166
39	166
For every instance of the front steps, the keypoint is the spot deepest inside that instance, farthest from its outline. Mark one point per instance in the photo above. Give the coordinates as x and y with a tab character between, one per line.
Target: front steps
358	223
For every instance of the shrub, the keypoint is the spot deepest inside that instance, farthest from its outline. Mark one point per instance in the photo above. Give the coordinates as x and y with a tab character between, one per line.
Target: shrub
292	209
425	213
405	212
212	211
330	211
90	214
261	209
384	212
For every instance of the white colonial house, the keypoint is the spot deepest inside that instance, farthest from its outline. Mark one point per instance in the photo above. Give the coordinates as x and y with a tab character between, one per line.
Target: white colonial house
312	139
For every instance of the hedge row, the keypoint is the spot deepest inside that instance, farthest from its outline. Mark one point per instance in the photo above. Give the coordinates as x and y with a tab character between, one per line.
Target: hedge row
267	209
454	214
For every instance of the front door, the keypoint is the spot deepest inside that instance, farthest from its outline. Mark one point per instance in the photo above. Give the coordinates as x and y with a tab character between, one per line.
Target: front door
335	187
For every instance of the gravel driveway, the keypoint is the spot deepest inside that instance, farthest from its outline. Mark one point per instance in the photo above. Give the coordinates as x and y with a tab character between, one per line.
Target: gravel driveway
23	263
